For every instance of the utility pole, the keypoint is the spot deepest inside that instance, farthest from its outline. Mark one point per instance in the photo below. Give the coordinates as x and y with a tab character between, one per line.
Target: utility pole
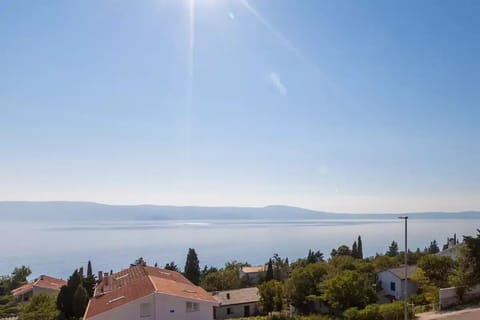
405	218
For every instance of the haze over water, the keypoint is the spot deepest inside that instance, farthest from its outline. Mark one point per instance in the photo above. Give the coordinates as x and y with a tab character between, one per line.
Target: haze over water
58	248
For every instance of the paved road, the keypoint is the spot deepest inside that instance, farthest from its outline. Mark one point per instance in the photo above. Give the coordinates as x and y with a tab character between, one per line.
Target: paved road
467	314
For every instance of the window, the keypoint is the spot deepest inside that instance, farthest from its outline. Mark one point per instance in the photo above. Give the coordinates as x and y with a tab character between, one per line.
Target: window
229	311
192	306
145	310
392	286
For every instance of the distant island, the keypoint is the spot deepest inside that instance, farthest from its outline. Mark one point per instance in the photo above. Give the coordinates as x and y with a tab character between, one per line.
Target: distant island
78	211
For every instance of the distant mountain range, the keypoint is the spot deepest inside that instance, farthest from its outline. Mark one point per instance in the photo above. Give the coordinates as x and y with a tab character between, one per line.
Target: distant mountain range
78	211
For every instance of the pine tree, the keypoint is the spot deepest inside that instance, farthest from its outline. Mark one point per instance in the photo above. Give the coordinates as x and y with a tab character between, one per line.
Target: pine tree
354	250
393	249
359	248
269	274
139	262
433	247
192	267
171	266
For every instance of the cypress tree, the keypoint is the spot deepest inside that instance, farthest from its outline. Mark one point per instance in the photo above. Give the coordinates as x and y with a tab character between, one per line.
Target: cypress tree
360	248
89	269
192	267
80	301
65	301
269	274
355	250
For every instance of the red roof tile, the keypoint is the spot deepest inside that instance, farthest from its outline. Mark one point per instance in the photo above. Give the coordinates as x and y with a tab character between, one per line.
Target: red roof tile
140	281
44	282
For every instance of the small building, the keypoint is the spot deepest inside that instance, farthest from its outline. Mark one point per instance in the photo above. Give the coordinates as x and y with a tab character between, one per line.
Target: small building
149	293
43	284
452	251
392	282
236	303
253	272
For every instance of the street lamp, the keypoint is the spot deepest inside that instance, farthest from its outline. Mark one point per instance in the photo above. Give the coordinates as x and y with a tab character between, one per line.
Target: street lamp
405	218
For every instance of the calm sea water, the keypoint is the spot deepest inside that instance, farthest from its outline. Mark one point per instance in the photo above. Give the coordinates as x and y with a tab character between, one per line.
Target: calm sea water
57	249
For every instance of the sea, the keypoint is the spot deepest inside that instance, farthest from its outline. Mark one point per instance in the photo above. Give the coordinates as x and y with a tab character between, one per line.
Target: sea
57	249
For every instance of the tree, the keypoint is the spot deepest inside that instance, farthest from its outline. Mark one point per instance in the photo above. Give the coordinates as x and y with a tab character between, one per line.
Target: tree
17	278
314	256
360	248
80	301
139	262
280	267
437	269
65	301
355	250
89	281
393	249
343	250
8	306
224	279
303	285
41	307
428	289
269	274
467	273
382	262
66	296
271	295
171	266
89	269
192	267
472	254
433	248
348	289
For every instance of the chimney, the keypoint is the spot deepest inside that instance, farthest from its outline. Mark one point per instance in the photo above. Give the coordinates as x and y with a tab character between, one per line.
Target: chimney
106	278
100	276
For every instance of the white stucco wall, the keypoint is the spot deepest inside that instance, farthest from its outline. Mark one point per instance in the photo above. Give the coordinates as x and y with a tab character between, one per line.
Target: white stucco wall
386	277
237	311
164	307
448	296
165	304
128	311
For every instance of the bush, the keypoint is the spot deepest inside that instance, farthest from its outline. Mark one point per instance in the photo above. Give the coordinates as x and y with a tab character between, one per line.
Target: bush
371	312
352	314
391	311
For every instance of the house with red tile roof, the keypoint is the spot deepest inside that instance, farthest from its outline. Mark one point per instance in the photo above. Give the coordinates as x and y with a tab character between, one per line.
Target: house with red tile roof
149	293
252	272
43	284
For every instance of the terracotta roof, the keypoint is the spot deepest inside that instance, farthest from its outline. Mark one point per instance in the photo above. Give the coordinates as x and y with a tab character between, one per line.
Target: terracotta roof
136	282
400	271
253	269
44	282
238	296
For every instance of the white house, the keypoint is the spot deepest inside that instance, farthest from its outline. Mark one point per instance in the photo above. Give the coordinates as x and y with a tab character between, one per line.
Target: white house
149	293
236	303
43	284
393	281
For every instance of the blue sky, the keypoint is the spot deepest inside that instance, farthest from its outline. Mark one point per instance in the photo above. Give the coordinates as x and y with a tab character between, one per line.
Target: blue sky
348	106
